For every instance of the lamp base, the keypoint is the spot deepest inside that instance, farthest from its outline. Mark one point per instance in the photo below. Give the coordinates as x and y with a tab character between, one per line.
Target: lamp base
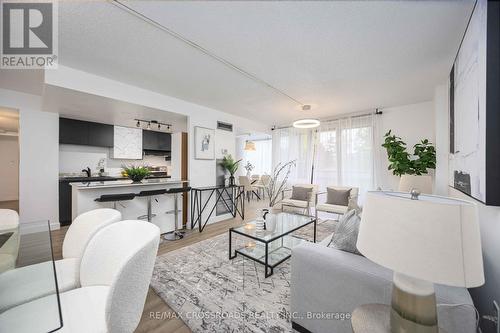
413	306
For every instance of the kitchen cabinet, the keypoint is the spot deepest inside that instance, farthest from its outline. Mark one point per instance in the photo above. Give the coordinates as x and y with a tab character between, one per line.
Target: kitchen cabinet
127	143
78	132
156	141
101	135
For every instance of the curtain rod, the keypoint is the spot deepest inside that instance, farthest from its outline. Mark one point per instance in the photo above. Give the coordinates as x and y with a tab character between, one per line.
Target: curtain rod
354	115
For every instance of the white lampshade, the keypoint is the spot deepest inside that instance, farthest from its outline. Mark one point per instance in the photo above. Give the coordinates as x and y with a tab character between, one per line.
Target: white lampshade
433	238
423	183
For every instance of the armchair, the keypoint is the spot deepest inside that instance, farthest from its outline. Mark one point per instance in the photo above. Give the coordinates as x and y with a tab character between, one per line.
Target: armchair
305	205
338	209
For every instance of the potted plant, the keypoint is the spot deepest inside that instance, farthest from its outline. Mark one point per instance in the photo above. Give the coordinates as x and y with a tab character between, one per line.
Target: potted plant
249	167
406	165
231	166
136	173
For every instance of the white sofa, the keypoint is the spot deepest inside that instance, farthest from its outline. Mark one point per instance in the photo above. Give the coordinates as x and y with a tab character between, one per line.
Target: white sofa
329	281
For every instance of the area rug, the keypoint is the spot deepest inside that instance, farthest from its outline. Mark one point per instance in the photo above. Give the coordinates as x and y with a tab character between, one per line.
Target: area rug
211	293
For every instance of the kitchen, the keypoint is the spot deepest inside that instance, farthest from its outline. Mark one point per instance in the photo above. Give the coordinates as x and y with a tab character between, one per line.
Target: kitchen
92	156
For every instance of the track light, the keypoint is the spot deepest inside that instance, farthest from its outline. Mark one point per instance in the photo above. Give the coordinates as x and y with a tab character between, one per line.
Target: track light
138	124
159	126
149	125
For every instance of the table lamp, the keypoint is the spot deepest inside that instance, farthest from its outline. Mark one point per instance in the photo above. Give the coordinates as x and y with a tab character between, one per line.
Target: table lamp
424	239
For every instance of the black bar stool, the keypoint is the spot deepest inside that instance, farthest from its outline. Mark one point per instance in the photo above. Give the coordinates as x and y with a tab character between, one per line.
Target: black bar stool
150	194
176	234
115	198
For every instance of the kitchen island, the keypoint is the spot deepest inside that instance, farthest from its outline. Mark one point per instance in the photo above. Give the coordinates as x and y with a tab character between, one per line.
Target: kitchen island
84	194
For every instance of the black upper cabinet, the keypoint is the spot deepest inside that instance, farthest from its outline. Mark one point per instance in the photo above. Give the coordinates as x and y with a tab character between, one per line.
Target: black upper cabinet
74	132
77	132
164	141
156	141
101	135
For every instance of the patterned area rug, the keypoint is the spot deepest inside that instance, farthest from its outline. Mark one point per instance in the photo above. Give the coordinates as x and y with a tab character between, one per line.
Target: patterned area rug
214	294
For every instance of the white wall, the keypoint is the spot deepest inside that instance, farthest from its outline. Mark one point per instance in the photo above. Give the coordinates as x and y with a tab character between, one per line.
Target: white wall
489	216
38	159
412	123
9	168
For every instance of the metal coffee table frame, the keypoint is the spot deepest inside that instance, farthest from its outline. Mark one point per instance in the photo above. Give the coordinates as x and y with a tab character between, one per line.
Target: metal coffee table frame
269	269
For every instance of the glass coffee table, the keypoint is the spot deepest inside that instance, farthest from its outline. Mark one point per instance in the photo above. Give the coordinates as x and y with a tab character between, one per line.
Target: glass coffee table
274	245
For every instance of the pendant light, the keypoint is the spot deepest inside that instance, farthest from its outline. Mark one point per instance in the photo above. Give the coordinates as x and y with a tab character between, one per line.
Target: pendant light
249	146
306	122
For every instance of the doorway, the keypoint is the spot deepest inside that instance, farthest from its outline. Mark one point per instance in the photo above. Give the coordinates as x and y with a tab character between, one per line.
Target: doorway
9	159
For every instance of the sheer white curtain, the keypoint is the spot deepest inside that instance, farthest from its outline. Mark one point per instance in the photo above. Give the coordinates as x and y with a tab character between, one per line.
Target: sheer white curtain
294	144
261	158
345	153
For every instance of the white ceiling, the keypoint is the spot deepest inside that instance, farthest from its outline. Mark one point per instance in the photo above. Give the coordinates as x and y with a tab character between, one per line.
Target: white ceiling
77	105
338	56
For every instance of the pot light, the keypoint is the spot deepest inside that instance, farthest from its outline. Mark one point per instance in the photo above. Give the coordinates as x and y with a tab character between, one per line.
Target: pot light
306	123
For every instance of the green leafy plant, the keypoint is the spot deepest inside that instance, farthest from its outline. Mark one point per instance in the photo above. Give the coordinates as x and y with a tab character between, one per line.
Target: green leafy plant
136	173
402	163
230	164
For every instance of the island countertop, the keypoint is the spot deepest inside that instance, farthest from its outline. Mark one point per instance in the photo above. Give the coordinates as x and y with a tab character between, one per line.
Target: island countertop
125	183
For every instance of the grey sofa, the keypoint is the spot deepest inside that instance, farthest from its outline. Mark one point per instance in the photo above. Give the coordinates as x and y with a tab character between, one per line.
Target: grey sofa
326	282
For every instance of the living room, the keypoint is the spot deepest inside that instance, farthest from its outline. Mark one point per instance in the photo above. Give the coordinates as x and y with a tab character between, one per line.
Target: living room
305	166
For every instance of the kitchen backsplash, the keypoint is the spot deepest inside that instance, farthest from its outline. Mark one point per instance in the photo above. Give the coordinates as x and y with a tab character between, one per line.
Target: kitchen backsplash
73	158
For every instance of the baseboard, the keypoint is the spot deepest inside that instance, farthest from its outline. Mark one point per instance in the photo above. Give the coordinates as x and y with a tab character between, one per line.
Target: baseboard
300	328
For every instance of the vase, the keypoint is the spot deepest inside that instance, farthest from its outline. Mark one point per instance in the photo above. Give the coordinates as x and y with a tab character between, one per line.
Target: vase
270	219
231	180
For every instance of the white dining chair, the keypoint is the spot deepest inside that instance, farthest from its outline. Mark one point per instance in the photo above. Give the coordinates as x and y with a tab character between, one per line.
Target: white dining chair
263	184
20	285
9	223
115	273
248	187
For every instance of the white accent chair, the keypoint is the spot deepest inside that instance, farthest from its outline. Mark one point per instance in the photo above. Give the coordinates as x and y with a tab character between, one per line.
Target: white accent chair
248	187
20	285
9	222
115	274
338	209
299	204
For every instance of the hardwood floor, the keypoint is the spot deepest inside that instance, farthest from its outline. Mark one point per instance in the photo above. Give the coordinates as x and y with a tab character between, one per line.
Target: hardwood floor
157	315
11	204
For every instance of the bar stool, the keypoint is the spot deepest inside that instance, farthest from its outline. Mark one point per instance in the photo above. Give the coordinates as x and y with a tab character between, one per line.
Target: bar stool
176	234
150	194
116	198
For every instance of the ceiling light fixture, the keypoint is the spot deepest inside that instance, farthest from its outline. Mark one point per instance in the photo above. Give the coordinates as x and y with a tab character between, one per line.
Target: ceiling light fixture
306	122
138	124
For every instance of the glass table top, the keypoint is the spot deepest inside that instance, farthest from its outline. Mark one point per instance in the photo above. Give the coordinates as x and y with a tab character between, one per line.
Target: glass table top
27	274
277	225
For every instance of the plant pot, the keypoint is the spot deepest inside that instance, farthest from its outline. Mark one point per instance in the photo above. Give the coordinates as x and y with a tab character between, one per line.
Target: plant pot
136	179
231	180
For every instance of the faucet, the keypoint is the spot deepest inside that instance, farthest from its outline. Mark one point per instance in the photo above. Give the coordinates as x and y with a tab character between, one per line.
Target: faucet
87	171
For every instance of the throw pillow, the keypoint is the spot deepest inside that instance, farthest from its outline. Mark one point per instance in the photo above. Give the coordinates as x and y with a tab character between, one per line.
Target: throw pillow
345	236
338	197
301	193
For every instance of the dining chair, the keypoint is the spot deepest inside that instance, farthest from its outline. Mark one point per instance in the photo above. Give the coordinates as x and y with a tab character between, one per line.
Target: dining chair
248	187
263	184
115	273
20	285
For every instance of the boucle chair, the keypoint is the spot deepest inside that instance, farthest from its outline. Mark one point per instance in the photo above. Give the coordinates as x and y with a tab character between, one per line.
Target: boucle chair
338	209
115	274
300	204
21	285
